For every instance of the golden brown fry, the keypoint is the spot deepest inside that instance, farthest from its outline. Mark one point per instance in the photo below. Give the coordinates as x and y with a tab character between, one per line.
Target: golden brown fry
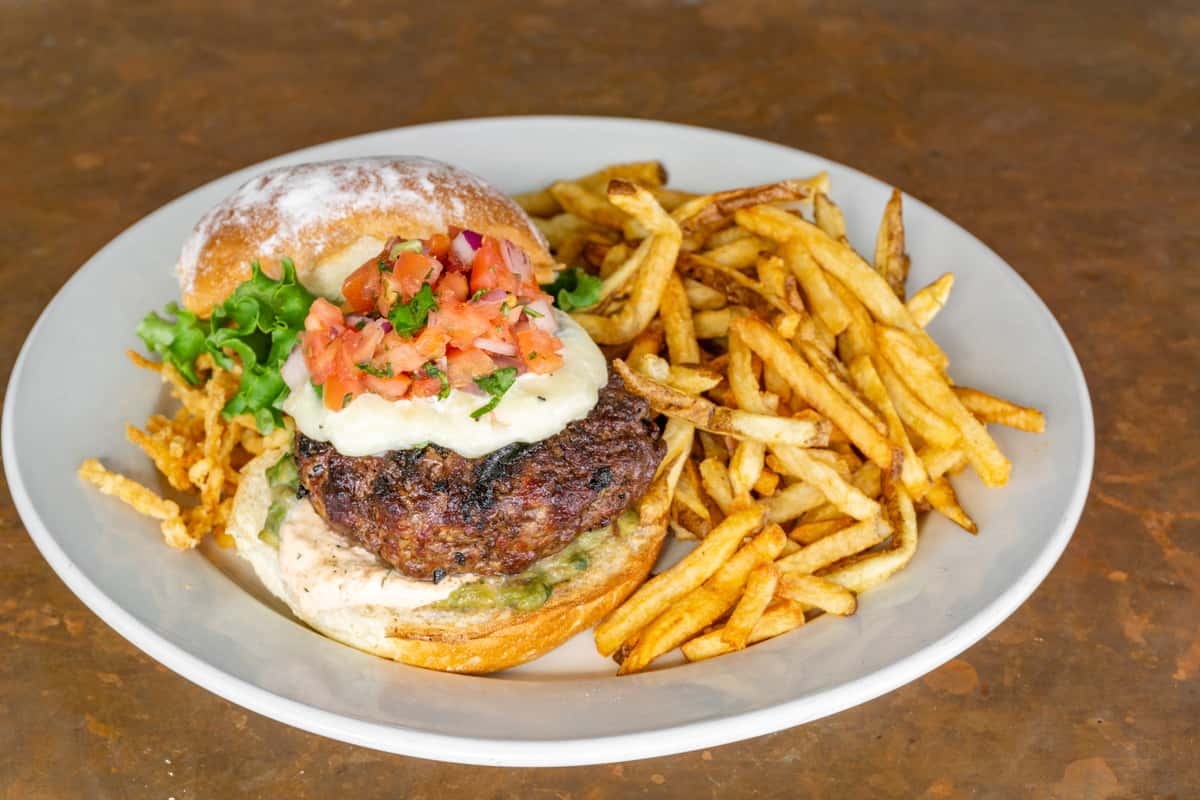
538	204
809	590
891	262
837	377
651	280
655	595
866	571
158	447
671	199
703	298
727	235
760	589
780	617
740	253
919	417
825	304
925	304
927	382
676	315
714	476
809	385
767	483
809	532
648	342
792	501
614	258
938	461
719	419
705	215
745	467
588	205
650	174
799	463
868	381
559	228
738	288
620	278
942	497
842	262
829	218
836	546
689	380
703	605
989	408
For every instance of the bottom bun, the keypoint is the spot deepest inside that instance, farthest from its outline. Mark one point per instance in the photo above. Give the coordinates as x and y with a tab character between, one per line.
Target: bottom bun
452	641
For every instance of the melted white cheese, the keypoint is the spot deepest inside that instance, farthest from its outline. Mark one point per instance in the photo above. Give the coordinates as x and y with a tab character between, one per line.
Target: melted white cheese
327	277
534	408
322	571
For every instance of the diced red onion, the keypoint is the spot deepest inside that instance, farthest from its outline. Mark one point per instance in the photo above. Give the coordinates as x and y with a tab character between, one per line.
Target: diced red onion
474	239
545	316
354	319
516	260
505	361
494	296
294	371
496	346
462	251
387	326
514	315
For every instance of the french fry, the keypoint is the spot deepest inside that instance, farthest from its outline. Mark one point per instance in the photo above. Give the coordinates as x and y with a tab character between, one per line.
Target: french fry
651	280
809	590
779	618
702	297
927	382
650	174
588	205
938	461
560	227
745	466
809	385
844	496
942	497
671	199
760	588
715	324
825	304
809	532
622	274
791	502
847	266
616	257
657	594
868	381
705	215
864	572
714	476
989	408
891	262
925	304
676	315
738	288
649	342
740	253
767	483
837	377
927	423
727	235
772	276
836	546
719	419
703	605
829	218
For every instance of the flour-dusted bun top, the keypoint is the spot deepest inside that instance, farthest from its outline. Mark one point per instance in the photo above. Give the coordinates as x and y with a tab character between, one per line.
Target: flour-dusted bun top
331	216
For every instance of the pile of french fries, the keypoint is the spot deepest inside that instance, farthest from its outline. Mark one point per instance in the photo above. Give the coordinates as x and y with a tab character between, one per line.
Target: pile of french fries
198	452
809	416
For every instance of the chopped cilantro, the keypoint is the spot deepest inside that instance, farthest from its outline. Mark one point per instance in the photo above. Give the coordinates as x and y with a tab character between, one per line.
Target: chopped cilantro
411	246
495	384
432	371
376	371
408	318
259	324
478	294
530	312
574	288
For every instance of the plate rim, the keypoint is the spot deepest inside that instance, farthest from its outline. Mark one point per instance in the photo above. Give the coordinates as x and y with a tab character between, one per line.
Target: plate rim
531	752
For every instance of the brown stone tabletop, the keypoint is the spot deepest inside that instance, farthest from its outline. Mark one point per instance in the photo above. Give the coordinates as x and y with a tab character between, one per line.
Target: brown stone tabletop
1064	135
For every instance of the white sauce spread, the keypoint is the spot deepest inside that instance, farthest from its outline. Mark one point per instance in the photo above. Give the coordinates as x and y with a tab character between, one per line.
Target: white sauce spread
534	408
322	570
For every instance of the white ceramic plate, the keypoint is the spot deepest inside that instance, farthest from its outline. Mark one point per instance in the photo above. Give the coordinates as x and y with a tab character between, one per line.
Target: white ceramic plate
72	391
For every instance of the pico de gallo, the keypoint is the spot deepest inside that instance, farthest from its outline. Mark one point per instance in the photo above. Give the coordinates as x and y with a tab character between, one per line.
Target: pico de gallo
425	317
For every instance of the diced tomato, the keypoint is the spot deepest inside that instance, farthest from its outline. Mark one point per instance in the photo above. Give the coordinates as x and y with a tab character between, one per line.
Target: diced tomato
432	342
462	322
438	246
489	271
464	366
426	387
323	314
452	288
365	342
539	350
393	388
411	270
402	355
361	288
338	391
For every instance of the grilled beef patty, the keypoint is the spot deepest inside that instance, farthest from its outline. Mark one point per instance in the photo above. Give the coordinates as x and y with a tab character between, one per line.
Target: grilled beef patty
430	512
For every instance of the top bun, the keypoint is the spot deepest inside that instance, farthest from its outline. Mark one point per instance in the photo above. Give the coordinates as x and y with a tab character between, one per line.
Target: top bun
330	217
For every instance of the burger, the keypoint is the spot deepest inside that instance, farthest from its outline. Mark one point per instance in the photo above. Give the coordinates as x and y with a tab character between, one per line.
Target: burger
463	486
